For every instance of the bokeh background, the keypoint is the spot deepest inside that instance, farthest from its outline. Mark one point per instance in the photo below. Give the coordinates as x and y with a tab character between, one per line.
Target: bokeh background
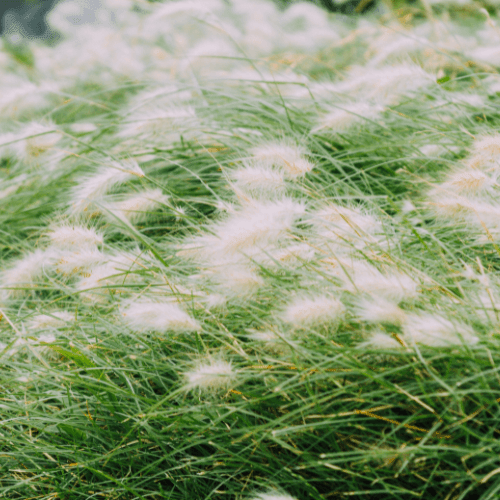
27	18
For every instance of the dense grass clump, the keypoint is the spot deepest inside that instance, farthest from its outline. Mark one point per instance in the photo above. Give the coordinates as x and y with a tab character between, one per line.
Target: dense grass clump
250	253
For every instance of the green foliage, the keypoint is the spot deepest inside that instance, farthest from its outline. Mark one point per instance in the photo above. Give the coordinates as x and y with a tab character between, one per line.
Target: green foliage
102	411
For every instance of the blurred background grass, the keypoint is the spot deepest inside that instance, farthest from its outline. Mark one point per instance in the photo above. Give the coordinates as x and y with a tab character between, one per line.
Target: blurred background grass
27	18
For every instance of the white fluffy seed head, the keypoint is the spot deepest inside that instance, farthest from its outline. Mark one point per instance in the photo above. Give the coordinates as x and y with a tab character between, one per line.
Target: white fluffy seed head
288	256
459	99
119	269
55	319
310	311
159	317
92	286
432	150
74	237
342	224
447	205
273	495
35	139
295	253
487	306
258	223
165	95
386	84
238	280
211	376
394	287
468	272
361	277
94	187
83	128
342	120
152	124
47	338
137	208
70	263
18	95
485	162
225	206
380	310
289	157
215	301
407	207
468	181
482	214
487	147
259	180
436	331
25	272
380	340
389	83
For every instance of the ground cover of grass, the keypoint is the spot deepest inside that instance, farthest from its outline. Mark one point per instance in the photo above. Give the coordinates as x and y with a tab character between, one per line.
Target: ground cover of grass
250	254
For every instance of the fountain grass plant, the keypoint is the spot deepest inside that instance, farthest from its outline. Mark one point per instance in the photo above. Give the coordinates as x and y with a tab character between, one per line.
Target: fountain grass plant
250	254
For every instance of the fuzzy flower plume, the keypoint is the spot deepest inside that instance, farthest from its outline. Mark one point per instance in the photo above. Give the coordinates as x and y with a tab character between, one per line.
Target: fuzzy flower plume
258	223
290	255
310	311
436	331
210	56
210	376
238	280
118	269
273	495
215	301
483	214
46	338
487	306
161	317
387	84
175	13
93	287
290	158
25	273
18	95
258	180
449	205
35	139
137	208
55	319
342	224
225	206
394	286
94	187
468	182
83	128
69	263
151	99
74	237
161	123
380	310
380	340
361	277
486	149
343	119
